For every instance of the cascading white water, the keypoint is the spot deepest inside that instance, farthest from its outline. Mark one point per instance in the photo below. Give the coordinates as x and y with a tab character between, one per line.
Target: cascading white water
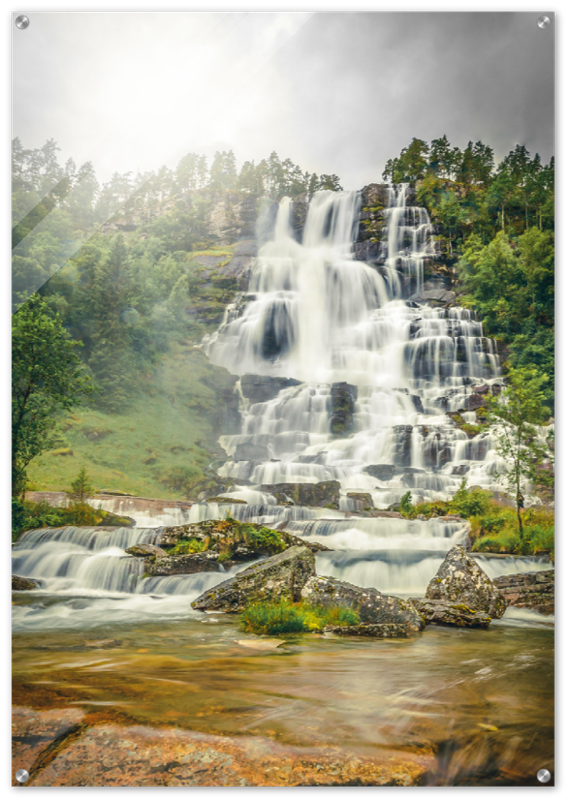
340	328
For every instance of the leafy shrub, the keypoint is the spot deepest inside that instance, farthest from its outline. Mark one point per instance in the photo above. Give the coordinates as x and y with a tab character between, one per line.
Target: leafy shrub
470	502
286	617
406	504
186	546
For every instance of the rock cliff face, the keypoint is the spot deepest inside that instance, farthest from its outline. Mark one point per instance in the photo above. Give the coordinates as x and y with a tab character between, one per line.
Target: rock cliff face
316	495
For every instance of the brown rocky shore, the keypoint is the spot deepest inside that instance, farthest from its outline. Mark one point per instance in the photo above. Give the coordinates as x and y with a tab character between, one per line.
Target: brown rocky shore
62	747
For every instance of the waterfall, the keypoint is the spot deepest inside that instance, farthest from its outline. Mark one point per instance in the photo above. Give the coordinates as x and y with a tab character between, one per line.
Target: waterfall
375	374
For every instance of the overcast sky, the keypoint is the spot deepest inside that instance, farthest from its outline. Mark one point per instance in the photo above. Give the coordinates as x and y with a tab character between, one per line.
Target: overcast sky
335	92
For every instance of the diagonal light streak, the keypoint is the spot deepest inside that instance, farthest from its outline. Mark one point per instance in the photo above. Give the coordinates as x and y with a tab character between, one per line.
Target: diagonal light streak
251	65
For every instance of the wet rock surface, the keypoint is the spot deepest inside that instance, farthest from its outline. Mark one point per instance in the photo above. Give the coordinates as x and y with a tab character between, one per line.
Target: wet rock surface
362	501
383	472
145	550
534	590
20	584
373	607
260	388
461	580
317	495
183	564
36	733
343	399
138	755
384	631
441	612
279	577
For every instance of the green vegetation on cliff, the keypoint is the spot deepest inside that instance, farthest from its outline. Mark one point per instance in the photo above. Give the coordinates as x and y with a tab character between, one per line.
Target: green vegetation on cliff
495	230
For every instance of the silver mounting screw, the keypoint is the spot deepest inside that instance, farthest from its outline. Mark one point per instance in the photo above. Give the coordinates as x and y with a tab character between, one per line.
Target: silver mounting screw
543	775
22	23
22	775
543	21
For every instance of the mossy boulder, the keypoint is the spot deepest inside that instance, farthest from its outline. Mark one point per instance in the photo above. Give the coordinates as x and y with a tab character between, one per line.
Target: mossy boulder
442	612
231	540
460	579
372	607
20	584
343	399
362	501
279	577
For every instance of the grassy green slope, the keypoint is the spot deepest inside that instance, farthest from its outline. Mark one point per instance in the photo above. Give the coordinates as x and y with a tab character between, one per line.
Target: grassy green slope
163	441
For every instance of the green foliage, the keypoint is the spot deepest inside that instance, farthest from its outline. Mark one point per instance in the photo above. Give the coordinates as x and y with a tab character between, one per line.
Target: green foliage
27	516
516	415
81	487
47	378
470	502
406	504
186	546
285	617
497	531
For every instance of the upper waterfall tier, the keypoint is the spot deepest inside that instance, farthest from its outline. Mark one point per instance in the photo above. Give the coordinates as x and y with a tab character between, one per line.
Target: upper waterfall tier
316	314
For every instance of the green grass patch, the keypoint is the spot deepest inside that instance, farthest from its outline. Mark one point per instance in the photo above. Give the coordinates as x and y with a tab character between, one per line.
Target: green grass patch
286	617
163	443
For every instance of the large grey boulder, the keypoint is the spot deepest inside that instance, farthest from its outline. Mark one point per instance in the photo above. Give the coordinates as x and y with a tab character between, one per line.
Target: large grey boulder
442	612
373	607
280	577
461	580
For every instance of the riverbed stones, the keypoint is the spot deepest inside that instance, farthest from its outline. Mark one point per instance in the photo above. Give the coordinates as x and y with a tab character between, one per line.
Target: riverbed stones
534	590
280	577
461	580
20	584
442	612
373	607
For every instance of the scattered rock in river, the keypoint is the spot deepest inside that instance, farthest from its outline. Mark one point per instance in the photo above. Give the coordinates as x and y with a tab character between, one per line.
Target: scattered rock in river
183	564
442	612
260	388
461	580
534	590
317	495
384	631
280	577
373	607
20	584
